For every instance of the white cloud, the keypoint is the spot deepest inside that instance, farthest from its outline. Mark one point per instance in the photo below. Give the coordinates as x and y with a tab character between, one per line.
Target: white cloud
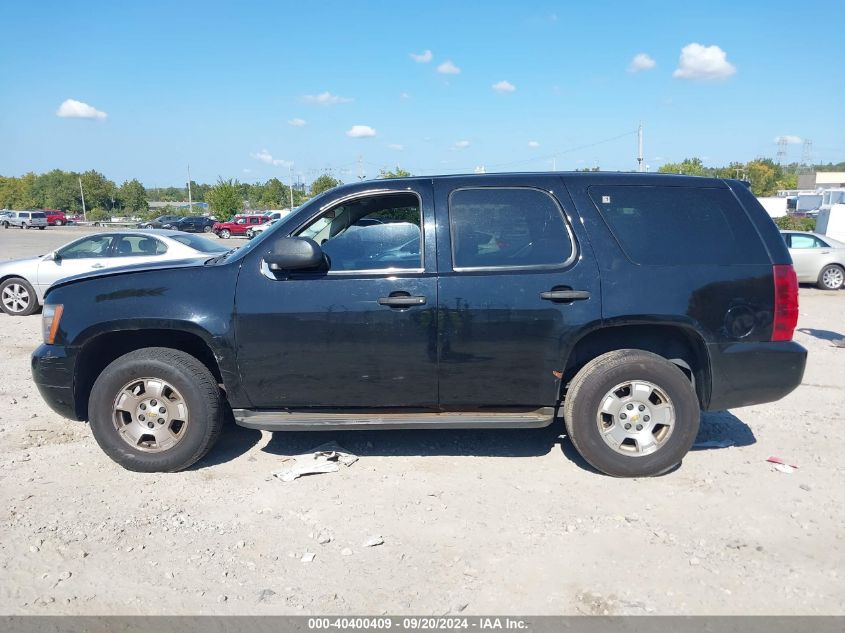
297	122
422	58
448	68
641	61
404	95
533	144
789	138
325	98
460	145
503	87
703	62
73	109
396	146
267	158
360	131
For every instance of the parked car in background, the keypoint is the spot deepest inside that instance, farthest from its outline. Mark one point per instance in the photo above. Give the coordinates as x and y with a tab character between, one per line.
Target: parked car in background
817	259
24	219
24	281
192	224
238	225
252	231
484	301
55	217
160	222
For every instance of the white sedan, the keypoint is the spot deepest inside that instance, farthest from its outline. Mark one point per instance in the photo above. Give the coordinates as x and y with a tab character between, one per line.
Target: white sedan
24	281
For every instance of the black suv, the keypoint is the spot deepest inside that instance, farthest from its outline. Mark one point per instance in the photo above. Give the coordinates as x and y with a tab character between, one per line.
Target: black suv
160	222
625	303
192	224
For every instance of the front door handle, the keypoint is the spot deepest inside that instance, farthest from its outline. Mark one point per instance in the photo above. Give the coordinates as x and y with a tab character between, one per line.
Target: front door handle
401	301
565	295
97	266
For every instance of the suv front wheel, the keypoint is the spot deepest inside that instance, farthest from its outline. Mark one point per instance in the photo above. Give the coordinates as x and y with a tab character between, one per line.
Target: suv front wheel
631	413
155	409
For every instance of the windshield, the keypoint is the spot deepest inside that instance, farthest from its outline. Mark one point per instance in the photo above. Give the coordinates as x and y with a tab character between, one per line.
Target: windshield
199	243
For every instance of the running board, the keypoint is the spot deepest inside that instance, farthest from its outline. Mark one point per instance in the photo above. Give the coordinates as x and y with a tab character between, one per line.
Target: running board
325	421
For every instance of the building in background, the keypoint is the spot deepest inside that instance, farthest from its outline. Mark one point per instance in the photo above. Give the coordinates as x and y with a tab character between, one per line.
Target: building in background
822	180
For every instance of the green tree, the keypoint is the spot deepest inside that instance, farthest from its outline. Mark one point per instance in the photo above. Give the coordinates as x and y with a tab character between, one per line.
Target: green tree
99	190
763	174
225	198
133	197
98	214
58	189
324	183
394	173
689	167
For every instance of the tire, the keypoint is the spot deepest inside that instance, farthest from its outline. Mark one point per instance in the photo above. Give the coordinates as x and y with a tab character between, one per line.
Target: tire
5	225
225	234
17	297
831	277
24	226
206	229
59	222
192	384
41	228
601	385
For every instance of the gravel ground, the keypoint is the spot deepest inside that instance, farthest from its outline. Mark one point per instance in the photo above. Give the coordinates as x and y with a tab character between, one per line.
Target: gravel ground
471	521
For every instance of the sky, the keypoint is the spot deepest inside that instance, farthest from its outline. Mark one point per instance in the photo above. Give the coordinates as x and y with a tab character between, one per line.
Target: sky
253	90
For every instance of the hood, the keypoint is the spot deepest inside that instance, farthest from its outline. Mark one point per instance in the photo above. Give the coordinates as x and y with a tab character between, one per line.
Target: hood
21	261
193	262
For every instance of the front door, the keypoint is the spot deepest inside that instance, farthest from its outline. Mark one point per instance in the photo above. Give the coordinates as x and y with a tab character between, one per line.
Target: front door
82	256
362	334
516	285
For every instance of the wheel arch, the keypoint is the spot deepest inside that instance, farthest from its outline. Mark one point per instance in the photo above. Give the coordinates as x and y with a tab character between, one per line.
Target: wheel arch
679	344
100	350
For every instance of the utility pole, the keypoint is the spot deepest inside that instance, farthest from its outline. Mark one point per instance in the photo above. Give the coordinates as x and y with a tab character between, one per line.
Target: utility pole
291	186
190	200
82	193
640	148
781	159
360	167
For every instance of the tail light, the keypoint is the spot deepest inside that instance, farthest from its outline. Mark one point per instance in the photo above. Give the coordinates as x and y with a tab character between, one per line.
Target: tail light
786	302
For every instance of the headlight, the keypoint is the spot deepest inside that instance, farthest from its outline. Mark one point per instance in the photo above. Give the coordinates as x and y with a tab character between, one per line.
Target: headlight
50	317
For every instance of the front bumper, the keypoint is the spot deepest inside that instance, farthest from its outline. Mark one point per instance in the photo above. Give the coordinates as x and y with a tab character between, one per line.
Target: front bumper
53	372
743	374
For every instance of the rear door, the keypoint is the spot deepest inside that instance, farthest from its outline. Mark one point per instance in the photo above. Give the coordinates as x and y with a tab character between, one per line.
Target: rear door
517	283
808	255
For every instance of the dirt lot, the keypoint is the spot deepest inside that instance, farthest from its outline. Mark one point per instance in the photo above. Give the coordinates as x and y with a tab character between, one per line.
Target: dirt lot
484	522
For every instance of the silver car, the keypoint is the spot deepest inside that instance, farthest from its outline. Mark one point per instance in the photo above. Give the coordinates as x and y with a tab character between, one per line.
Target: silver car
24	281
24	219
817	259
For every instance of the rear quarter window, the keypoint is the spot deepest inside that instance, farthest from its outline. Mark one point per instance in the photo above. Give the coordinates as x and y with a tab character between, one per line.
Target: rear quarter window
679	225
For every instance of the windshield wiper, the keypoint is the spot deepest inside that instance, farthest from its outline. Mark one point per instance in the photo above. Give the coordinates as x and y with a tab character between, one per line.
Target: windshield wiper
221	257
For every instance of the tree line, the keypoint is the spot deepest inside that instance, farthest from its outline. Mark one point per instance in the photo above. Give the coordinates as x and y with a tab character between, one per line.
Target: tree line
59	189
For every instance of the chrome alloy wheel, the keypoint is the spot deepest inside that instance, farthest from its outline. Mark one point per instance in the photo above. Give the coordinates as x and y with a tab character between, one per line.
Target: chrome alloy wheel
16	298
636	418
833	278
150	415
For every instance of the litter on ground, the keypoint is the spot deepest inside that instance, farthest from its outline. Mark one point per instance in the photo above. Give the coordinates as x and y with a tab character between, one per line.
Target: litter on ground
326	458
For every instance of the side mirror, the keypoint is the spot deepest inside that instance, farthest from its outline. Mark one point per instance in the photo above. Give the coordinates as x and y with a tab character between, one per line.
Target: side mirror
295	253
52	257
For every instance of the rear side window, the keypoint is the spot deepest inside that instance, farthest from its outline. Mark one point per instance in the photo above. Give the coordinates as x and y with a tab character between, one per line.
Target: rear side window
679	225
137	246
507	228
805	241
38	215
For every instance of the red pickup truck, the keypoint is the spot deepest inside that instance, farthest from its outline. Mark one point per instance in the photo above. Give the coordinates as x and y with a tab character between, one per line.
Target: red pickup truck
55	217
238	225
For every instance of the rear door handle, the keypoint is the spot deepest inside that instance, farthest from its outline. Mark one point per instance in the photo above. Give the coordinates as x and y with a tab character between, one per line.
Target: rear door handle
565	295
401	301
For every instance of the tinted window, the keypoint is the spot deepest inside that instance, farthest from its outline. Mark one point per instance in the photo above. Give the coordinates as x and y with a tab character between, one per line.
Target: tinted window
508	228
138	246
38	215
679	225
374	233
96	246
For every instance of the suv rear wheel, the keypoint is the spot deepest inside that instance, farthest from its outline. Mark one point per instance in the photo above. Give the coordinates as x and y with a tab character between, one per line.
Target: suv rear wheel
225	234
631	413
831	277
155	410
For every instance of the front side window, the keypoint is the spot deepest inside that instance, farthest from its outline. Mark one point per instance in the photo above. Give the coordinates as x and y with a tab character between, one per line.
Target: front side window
96	246
507	228
375	233
138	246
